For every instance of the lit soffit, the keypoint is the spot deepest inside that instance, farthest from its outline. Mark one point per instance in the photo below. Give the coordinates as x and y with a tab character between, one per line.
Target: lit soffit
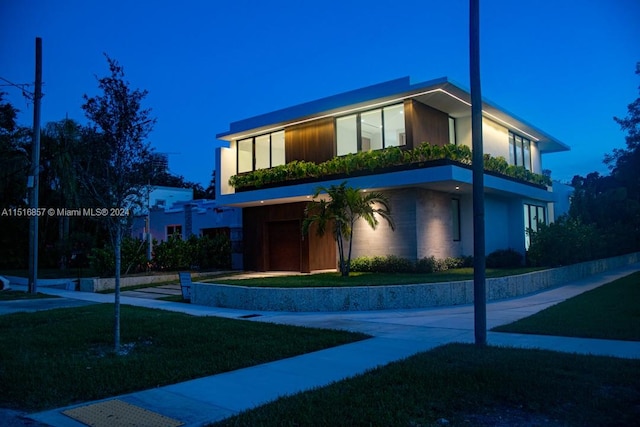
444	100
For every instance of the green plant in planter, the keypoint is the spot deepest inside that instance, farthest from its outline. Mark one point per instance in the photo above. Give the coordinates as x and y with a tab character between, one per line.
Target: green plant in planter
379	159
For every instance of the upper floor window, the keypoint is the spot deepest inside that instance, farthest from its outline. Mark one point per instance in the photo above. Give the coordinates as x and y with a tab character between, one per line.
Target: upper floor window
371	130
519	151
261	152
452	131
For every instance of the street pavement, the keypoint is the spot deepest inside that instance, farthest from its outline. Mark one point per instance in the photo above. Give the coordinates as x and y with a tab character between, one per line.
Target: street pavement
396	334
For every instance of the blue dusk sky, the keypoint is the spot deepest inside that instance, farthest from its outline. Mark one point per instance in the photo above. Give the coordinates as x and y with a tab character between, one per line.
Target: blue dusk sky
565	66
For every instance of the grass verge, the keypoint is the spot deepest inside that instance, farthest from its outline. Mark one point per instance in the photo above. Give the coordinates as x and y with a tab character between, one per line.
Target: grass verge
367	279
59	357
469	386
11	295
610	311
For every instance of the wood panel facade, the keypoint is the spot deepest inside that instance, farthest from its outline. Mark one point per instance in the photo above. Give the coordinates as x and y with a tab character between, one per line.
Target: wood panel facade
425	124
312	141
273	241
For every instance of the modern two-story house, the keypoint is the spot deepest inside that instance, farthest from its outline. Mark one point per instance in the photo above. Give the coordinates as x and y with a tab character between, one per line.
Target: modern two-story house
431	201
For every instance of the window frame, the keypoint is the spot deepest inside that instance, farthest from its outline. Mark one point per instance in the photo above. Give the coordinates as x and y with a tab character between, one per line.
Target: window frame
254	160
358	130
519	156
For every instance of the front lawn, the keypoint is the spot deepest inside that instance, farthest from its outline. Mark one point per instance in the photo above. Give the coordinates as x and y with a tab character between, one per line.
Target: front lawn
611	311
10	295
468	386
334	279
58	357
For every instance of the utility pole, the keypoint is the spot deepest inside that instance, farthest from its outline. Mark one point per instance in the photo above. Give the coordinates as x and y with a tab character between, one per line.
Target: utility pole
34	179
479	282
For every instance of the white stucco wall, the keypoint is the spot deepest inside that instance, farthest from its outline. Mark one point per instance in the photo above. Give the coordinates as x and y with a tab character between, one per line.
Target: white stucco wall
226	168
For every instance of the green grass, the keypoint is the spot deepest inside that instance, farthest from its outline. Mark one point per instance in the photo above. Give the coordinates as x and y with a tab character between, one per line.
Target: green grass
471	387
611	311
51	273
11	295
367	279
58	357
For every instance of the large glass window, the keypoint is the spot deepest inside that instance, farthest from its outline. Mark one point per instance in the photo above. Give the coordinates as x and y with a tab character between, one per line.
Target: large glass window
452	131
371	130
277	149
534	215
347	134
245	155
519	151
261	152
394	134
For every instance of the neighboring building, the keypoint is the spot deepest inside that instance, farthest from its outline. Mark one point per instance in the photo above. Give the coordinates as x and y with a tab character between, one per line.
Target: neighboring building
192	217
431	206
164	197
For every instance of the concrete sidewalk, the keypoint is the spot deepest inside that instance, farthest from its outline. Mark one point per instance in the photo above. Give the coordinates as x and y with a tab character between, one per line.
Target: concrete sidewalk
397	334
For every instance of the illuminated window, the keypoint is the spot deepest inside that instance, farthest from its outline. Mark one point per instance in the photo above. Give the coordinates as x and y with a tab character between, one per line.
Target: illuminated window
371	130
261	152
533	216
452	131
519	151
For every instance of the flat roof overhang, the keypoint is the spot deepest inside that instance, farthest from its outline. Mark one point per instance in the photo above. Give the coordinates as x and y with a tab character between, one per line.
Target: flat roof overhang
439	93
452	179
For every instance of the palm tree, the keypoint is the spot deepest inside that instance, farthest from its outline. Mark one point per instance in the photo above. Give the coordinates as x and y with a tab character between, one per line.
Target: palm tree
344	206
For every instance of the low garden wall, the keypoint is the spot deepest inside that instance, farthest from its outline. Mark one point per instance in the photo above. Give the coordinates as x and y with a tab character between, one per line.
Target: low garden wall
363	298
97	284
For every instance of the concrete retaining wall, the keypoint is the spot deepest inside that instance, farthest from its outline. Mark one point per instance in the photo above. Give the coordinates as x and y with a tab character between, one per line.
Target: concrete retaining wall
97	284
363	298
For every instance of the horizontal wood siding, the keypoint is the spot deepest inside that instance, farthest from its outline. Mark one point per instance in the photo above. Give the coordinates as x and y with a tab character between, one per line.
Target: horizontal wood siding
425	124
312	141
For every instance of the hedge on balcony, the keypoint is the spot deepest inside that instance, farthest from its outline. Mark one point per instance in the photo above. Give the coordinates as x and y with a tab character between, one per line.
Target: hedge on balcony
370	161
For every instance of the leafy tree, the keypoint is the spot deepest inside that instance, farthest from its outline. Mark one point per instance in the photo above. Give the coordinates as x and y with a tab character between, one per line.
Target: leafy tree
62	152
118	171
14	167
14	157
625	163
604	217
345	206
210	191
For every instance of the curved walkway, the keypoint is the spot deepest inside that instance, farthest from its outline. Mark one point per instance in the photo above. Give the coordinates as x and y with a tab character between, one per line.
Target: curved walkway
397	334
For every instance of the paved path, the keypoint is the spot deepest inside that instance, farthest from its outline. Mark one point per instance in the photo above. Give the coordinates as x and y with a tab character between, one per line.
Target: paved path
397	334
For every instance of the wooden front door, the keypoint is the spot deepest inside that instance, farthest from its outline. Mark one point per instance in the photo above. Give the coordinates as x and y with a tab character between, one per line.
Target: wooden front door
284	239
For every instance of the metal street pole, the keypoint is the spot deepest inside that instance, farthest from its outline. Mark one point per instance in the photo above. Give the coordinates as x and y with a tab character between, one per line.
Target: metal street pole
35	174
479	285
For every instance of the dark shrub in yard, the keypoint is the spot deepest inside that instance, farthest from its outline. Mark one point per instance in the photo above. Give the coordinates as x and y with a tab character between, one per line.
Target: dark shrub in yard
504	258
563	242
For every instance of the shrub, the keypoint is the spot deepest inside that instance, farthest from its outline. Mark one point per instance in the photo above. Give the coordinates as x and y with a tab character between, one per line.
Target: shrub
192	253
133	258
395	264
563	242
504	258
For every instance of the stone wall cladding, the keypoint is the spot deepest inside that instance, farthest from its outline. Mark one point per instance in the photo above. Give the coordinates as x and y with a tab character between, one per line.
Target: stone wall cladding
363	298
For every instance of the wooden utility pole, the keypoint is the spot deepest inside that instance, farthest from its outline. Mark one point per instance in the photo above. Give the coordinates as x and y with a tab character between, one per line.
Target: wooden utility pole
479	285
34	179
